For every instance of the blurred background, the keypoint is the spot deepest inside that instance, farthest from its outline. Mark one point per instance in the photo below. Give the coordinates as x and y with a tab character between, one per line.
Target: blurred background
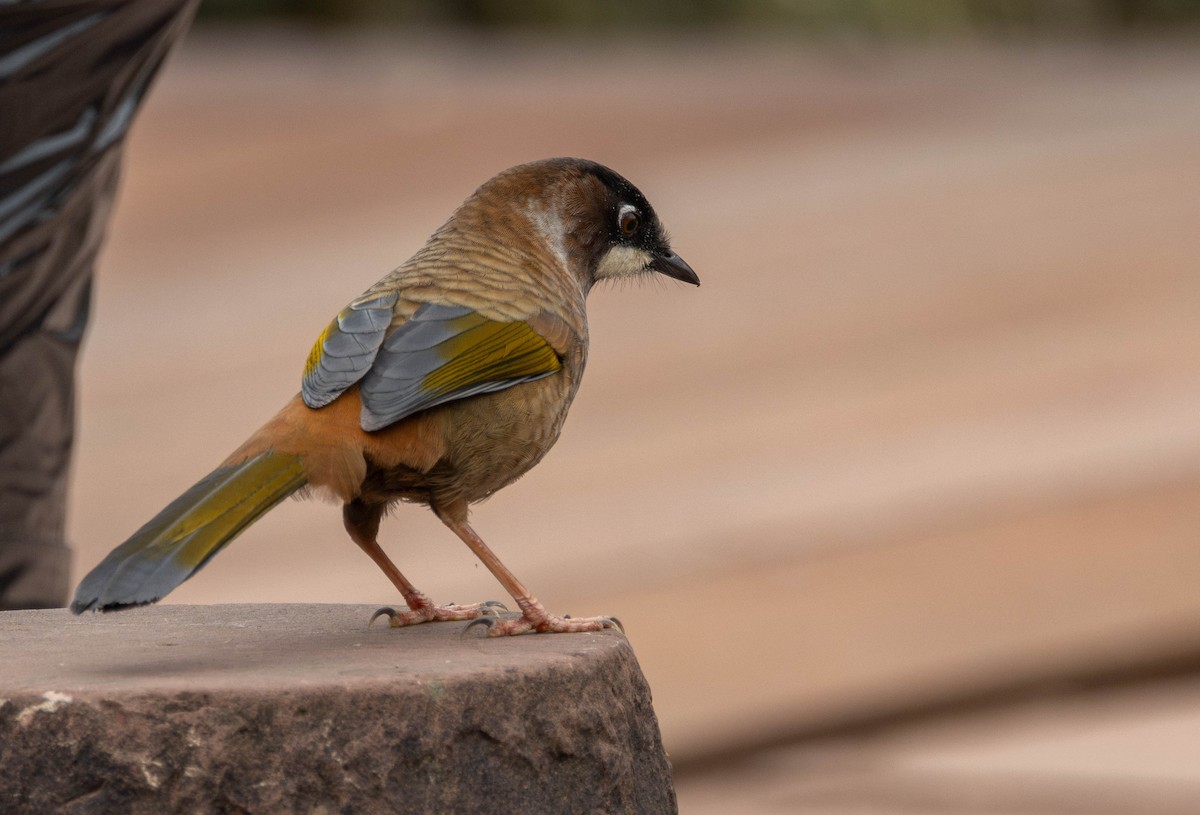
900	509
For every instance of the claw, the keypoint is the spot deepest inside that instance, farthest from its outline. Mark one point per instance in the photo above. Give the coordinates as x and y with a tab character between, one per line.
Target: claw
486	621
386	611
616	623
494	604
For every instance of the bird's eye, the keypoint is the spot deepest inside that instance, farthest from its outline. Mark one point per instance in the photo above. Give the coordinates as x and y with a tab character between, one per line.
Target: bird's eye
629	221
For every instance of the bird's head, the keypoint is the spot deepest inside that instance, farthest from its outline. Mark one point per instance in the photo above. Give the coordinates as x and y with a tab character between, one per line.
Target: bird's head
595	223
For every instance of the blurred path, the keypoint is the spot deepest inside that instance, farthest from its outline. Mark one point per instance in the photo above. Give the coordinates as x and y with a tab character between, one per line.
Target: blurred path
928	429
1128	752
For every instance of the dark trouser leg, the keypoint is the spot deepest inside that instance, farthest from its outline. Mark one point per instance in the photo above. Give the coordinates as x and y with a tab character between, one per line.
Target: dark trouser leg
37	395
71	78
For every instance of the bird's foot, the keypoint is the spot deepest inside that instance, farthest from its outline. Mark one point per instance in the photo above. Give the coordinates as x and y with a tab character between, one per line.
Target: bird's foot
535	618
422	610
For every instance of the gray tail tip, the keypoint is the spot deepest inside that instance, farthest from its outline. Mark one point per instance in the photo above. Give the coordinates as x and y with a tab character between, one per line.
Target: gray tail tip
79	606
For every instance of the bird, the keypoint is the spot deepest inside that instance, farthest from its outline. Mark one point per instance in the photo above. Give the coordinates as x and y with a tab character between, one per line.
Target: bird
442	383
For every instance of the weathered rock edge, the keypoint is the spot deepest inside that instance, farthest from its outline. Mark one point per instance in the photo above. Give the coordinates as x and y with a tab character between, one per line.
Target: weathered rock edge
562	734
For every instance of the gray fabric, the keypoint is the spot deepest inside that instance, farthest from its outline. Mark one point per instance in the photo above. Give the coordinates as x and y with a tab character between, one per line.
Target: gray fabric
36	431
73	73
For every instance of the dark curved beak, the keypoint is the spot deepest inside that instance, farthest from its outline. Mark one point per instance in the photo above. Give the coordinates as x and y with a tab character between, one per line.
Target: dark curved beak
672	265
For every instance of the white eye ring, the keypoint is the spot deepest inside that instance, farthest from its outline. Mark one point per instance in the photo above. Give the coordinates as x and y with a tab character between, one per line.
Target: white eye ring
628	220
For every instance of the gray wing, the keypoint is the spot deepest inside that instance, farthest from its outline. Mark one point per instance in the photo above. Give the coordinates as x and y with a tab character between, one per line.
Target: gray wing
441	354
449	352
346	348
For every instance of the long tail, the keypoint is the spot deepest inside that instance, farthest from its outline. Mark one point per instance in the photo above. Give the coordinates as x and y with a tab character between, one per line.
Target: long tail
180	540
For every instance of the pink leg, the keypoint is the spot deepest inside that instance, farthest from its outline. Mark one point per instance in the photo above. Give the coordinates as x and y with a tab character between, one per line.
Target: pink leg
362	522
534	616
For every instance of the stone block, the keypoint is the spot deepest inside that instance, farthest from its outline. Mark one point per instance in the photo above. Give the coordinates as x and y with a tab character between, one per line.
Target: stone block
302	708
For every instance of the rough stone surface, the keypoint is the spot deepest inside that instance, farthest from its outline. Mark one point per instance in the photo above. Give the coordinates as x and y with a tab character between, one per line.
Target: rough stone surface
298	708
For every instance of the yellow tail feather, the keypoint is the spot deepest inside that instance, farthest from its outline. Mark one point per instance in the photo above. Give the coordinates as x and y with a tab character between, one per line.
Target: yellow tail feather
178	541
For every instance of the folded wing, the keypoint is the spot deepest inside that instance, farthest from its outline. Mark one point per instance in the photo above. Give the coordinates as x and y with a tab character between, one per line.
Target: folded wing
441	354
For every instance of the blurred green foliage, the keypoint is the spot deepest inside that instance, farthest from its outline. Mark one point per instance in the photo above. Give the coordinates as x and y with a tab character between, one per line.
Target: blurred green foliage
872	17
